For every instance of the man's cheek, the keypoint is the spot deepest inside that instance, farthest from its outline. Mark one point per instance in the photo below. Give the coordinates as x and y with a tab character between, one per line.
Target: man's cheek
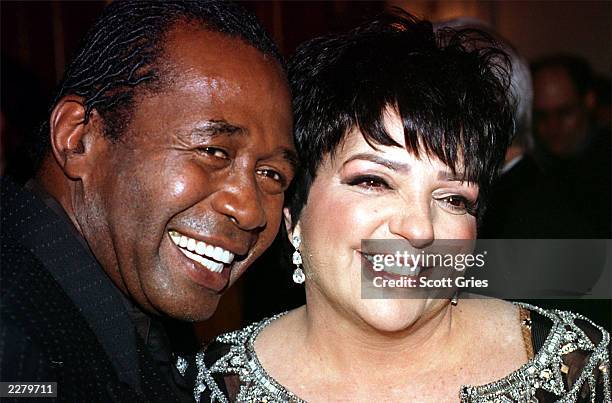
178	186
274	212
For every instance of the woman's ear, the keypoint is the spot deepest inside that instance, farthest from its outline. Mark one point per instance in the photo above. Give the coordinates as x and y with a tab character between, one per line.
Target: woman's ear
73	141
291	230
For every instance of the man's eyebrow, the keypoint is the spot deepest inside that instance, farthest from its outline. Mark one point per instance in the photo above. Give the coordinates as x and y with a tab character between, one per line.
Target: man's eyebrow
291	157
393	165
212	128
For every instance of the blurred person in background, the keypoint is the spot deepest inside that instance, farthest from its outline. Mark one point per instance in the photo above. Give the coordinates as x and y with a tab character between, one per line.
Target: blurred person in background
570	146
563	100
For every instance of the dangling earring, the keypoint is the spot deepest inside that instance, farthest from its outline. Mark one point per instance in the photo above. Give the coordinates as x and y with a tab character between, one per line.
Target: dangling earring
298	274
455	298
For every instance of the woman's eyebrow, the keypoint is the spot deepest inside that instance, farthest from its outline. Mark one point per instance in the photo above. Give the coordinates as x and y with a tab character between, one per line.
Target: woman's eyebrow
393	165
401	167
452	177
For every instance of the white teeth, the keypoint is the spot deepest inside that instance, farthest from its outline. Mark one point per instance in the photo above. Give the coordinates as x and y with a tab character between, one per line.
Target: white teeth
416	271
218	255
215	267
210	250
404	271
191	245
176	238
400	270
202	249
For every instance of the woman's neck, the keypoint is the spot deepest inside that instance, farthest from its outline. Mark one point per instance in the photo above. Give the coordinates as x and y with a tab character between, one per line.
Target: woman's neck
346	342
325	349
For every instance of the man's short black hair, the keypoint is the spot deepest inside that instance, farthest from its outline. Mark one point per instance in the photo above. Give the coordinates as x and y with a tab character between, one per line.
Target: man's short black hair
452	97
577	68
120	53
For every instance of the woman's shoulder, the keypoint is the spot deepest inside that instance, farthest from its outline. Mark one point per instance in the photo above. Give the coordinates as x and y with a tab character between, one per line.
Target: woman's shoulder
572	353
547	325
569	359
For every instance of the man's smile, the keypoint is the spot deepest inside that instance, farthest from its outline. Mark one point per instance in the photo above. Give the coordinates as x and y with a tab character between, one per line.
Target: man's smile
210	256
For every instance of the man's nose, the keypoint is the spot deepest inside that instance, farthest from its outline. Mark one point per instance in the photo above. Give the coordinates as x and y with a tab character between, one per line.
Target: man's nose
414	226
240	200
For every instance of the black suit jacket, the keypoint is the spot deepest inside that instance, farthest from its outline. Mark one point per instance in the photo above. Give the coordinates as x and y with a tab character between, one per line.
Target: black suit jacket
62	319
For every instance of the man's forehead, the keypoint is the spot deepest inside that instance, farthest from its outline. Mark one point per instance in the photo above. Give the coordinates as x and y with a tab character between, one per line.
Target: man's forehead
192	46
220	66
554	79
216	85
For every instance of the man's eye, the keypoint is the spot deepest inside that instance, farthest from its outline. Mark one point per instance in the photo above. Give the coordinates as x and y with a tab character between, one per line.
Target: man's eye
369	182
272	182
214	152
272	174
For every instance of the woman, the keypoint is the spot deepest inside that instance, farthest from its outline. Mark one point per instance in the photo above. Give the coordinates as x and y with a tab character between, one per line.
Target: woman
401	134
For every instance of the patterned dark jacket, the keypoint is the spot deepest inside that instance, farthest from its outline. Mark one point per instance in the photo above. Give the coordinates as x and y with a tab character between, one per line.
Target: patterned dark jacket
61	318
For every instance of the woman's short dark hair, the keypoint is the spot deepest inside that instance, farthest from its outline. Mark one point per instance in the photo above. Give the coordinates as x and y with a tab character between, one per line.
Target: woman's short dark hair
452	97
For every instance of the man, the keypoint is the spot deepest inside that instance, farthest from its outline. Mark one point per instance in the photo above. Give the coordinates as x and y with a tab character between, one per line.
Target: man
563	98
569	146
165	158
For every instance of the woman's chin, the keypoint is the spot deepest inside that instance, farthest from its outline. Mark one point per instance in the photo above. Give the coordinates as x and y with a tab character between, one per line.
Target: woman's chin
390	316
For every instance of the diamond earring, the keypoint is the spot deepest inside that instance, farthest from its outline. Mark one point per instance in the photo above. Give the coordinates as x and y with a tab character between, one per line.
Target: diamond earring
455	298
298	273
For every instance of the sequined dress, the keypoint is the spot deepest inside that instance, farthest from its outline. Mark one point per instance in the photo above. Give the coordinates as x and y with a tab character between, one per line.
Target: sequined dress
569	362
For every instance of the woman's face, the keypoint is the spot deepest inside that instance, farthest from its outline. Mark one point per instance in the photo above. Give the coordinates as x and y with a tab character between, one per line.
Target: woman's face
383	193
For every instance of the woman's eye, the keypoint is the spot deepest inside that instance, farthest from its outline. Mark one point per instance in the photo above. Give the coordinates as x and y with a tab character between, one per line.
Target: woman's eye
214	152
457	204
369	182
456	201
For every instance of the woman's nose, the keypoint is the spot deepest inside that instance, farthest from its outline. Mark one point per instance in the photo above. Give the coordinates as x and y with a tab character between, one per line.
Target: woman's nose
416	227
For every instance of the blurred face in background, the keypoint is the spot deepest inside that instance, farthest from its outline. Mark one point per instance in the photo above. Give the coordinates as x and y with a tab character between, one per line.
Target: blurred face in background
560	112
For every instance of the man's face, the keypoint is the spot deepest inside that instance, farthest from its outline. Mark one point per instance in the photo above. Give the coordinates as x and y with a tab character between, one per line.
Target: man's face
192	193
560	113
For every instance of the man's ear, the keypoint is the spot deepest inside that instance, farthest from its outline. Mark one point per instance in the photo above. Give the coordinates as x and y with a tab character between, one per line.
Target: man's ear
288	225
72	140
